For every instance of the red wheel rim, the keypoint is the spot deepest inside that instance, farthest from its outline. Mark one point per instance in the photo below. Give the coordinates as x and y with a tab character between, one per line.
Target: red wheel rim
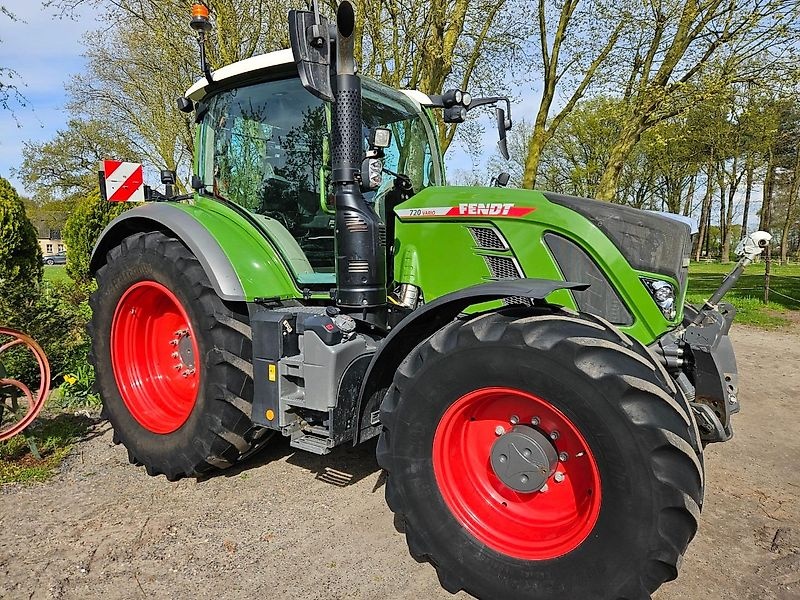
154	356
531	526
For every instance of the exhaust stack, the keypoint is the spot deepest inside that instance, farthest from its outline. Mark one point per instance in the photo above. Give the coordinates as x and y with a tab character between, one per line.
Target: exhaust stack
360	253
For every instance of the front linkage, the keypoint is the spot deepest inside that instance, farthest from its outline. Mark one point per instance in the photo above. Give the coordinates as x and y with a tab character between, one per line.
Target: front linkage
700	353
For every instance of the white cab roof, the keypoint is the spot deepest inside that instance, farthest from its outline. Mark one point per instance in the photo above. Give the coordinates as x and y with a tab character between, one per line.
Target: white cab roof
266	61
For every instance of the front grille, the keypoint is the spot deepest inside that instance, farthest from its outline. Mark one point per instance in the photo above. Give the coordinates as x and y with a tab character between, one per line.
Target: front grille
503	267
576	265
488	238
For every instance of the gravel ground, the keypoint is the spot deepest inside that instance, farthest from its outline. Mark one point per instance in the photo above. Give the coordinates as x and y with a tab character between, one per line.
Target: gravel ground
292	525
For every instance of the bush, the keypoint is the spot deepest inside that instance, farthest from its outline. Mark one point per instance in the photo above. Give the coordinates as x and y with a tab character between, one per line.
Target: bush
56	318
82	229
20	256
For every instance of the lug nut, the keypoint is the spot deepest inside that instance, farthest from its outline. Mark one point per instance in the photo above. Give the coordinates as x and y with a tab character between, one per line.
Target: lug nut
559	477
535	421
499	430
178	367
563	457
514	419
175	355
554	435
173	342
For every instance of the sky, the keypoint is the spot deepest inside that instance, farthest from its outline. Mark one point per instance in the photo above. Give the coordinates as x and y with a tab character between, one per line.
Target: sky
44	51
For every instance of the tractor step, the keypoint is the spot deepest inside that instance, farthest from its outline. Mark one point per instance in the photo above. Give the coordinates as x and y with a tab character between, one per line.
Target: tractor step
311	443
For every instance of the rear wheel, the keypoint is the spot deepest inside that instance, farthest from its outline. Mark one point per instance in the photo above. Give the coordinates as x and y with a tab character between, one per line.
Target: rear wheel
172	360
541	456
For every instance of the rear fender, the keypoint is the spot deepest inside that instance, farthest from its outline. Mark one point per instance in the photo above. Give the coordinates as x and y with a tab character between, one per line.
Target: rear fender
424	322
239	262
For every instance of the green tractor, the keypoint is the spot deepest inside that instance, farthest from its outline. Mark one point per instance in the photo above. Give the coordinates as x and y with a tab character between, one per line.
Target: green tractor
541	394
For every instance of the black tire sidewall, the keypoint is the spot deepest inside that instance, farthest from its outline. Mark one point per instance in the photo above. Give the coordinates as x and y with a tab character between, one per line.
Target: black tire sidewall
613	550
146	263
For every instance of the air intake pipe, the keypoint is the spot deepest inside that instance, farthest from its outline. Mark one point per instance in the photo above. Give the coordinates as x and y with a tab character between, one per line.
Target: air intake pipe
360	256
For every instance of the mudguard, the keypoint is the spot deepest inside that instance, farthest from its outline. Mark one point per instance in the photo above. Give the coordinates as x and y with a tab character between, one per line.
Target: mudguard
240	263
427	320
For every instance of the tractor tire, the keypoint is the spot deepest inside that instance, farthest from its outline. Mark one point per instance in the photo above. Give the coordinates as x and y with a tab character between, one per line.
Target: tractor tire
614	442
172	360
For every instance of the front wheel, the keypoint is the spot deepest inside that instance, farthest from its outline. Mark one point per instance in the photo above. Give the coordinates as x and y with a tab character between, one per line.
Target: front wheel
541	456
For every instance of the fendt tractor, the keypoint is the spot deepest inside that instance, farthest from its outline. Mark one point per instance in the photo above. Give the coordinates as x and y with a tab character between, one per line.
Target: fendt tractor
540	393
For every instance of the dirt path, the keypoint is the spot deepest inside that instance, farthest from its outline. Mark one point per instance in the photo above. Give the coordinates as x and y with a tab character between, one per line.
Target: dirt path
293	525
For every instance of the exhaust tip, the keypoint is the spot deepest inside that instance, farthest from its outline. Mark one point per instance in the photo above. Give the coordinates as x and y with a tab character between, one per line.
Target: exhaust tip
345	19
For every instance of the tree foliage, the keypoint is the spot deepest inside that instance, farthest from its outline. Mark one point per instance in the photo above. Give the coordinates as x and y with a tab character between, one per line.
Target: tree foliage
20	256
84	225
67	164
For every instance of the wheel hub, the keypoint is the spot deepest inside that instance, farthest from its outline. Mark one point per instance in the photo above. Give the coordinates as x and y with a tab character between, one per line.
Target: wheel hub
524	459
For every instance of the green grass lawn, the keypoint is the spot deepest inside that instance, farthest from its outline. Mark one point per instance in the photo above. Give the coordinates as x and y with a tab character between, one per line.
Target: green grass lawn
748	294
55	273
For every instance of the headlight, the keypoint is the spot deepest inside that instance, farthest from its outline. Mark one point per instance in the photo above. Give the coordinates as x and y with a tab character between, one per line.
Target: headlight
664	295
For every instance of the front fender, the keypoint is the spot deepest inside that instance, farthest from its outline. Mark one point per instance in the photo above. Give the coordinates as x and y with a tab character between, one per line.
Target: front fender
427	320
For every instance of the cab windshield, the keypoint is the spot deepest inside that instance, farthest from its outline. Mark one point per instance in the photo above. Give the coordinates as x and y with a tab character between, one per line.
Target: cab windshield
266	148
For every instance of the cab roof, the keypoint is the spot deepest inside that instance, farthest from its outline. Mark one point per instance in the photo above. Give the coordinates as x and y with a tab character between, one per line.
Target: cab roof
270	60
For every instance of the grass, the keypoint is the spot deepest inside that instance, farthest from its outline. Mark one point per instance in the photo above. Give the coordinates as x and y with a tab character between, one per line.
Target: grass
55	273
748	294
54	436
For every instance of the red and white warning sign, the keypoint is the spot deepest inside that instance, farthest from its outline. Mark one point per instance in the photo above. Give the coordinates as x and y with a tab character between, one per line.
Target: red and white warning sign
124	181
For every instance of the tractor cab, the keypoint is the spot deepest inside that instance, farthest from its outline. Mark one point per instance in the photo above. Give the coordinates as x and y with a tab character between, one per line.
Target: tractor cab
264	146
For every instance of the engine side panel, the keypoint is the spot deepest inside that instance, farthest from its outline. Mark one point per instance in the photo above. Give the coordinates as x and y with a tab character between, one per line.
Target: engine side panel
437	251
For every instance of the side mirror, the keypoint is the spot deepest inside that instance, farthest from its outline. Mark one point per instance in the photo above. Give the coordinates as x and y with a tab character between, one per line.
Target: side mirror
184	104
168	178
503	125
502	179
311	48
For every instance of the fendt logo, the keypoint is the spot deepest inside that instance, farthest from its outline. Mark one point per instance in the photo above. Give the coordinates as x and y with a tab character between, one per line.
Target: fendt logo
484	209
466	209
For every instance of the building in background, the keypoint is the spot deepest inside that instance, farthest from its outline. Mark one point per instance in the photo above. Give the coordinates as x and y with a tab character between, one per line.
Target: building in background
49	238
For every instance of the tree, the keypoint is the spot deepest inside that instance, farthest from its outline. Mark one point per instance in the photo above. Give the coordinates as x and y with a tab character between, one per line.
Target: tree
84	226
429	46
687	51
20	256
67	165
575	39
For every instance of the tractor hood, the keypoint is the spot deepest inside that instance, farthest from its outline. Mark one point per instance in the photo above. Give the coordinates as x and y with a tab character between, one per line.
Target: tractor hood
650	241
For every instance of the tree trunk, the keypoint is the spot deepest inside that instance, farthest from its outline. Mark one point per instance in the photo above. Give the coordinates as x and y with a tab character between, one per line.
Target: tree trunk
628	137
766	206
747	193
726	238
721	218
538	140
794	187
687	206
705	211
